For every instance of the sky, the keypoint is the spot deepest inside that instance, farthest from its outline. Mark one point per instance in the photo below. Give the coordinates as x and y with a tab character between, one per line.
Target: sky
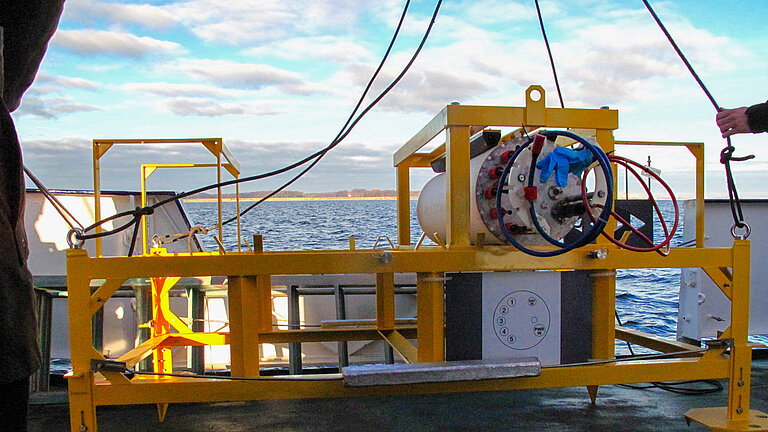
277	79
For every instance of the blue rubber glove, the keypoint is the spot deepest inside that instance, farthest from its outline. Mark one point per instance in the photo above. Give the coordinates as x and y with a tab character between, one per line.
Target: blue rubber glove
563	160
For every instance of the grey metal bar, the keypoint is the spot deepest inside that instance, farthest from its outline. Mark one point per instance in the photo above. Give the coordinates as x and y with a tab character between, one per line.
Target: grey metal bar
389	354
196	310
143	315
294	322
44	306
351	290
97	325
341	314
413	373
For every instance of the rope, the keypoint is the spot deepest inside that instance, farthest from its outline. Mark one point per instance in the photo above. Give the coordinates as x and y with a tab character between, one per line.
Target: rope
68	217
549	51
726	155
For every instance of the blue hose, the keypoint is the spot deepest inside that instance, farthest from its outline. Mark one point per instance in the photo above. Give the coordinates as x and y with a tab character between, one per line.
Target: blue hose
588	236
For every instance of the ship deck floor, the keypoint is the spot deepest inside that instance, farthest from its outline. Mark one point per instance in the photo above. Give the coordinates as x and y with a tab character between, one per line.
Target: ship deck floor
566	409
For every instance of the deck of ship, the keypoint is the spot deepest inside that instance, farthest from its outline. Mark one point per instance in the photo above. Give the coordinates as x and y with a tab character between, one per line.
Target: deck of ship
568	409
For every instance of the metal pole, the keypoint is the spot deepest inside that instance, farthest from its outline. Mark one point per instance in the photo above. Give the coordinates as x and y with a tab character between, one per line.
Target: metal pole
196	305
143	316
341	314
294	320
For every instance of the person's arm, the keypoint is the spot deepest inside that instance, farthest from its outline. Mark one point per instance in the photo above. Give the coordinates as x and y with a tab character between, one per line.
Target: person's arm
757	117
752	119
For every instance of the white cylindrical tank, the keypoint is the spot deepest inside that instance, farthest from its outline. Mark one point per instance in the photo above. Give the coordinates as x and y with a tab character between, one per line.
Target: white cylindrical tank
431	210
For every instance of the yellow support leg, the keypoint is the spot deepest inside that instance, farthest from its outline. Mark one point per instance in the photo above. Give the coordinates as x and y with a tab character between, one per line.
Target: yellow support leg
736	416
82	410
385	301
162	410
603	329
244	323
430	305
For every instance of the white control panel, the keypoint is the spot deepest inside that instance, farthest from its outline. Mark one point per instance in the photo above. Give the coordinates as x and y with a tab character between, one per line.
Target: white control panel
521	315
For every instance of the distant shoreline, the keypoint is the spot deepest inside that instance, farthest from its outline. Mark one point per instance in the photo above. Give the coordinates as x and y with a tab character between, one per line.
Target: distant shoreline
390	198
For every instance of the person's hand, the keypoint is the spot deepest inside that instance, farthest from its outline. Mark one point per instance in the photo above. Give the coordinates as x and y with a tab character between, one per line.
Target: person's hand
733	121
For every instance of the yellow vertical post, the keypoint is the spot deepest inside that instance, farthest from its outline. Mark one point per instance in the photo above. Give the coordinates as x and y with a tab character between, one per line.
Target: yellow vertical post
218	194
385	301
741	355
244	324
82	410
144	229
698	152
97	192
430	326
604	285
237	198
603	316
457	185
403	204
264	292
163	361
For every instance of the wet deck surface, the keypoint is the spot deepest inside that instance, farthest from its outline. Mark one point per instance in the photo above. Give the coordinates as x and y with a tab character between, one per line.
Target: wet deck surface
569	409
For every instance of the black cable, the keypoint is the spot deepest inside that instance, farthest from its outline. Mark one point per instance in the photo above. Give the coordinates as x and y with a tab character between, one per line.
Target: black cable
344	130
618	320
678	387
726	155
549	51
317	155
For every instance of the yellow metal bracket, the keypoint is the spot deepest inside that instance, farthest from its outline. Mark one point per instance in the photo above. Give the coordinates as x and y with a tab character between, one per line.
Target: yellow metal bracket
400	344
717	420
723	278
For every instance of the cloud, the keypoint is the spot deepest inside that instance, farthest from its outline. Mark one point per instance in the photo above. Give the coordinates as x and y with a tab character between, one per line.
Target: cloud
50	108
328	48
247	76
94	12
175	89
360	165
244	21
100	42
46	83
211	108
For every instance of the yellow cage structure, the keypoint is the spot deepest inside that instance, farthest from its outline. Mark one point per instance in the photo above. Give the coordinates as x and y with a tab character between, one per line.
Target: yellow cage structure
93	381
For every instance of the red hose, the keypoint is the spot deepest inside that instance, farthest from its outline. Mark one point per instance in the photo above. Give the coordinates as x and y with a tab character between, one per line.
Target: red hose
627	164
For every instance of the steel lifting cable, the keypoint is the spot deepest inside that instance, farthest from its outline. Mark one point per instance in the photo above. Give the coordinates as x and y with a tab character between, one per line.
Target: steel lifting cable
726	155
65	214
549	51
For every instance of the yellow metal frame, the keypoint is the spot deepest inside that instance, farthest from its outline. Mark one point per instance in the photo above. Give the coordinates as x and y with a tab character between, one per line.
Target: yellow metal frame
148	169
249	275
224	159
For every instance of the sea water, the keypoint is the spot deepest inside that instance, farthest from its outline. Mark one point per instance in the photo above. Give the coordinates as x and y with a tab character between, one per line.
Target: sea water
646	299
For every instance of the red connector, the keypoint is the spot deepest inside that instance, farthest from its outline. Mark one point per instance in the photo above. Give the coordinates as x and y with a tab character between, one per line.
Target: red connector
490	193
538	143
495	213
506	156
530	193
495	172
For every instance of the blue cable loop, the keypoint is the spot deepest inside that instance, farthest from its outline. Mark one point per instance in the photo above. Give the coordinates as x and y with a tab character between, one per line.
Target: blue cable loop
587	237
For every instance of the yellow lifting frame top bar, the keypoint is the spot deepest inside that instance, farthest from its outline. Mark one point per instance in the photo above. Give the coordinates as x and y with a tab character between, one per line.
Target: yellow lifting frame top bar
215	146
